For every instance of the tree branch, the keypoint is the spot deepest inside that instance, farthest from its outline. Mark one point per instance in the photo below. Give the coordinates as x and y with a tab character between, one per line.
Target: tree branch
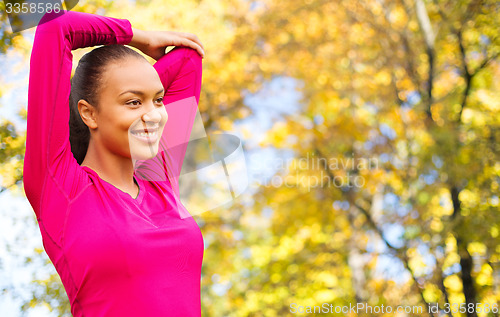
485	63
466	261
429	38
468	75
400	252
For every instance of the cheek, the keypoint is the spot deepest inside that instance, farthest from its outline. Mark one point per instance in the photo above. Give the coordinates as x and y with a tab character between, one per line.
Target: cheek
163	121
126	119
116	124
164	116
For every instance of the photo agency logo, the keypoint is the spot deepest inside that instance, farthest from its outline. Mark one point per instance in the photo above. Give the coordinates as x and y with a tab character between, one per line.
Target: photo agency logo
24	15
203	171
312	171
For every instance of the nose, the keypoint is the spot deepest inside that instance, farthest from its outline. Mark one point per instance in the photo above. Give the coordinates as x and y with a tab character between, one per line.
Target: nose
152	116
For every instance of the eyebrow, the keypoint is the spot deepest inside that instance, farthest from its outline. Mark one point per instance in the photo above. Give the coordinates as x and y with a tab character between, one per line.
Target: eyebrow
140	93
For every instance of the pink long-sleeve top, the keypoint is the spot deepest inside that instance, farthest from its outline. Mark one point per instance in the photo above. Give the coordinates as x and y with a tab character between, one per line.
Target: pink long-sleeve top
116	255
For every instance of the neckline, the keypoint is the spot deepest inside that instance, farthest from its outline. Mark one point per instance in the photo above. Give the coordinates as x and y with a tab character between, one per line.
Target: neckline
138	181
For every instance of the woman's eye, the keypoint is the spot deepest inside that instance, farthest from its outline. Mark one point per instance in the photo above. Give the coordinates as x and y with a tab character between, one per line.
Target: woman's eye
133	102
160	100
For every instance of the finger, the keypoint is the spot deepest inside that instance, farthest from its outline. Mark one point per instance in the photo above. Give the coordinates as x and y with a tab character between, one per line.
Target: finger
194	45
193	38
179	40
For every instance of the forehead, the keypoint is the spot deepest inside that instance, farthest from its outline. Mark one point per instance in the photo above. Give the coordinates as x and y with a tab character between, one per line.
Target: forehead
130	73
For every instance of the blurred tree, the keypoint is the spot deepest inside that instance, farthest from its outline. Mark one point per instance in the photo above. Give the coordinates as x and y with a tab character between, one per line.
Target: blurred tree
413	85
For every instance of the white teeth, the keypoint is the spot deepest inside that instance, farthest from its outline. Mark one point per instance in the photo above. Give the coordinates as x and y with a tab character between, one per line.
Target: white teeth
144	134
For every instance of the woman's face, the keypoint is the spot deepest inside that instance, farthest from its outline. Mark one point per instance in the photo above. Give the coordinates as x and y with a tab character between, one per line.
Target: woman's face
131	115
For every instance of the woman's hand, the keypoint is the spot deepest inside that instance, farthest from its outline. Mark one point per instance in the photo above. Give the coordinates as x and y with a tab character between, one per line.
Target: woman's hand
154	43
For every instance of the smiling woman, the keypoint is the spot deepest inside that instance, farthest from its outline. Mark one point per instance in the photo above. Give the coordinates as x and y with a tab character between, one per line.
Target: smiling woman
117	240
124	111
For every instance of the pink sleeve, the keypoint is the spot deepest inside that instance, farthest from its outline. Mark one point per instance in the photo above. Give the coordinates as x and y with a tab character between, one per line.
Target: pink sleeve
180	72
48	156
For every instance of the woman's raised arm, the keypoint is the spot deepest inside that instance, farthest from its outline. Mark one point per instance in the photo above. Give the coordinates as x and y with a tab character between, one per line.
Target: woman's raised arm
49	163
154	43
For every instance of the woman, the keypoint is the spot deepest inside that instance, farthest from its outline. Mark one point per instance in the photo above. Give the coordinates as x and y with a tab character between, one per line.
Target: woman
116	239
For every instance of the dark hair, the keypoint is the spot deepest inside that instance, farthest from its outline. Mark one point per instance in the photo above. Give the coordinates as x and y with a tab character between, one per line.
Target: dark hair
86	84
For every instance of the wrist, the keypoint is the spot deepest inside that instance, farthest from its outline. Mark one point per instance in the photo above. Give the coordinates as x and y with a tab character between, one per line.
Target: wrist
139	39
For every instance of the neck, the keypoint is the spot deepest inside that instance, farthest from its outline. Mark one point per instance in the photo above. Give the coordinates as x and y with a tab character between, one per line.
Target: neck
114	169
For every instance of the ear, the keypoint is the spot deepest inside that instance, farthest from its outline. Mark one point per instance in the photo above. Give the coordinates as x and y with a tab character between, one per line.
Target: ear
88	113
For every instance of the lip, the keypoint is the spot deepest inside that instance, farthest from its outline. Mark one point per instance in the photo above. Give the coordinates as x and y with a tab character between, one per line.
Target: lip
147	139
145	130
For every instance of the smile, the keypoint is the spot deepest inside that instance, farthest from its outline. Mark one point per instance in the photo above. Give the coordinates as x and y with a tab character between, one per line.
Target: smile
149	136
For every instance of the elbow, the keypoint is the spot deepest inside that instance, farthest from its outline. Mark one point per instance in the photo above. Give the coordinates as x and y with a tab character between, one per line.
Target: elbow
27	179
51	20
30	180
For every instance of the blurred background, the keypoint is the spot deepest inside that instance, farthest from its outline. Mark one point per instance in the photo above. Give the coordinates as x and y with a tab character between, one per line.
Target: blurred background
371	134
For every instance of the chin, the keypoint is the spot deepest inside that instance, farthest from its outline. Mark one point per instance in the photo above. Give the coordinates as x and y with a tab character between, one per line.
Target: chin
143	149
144	152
